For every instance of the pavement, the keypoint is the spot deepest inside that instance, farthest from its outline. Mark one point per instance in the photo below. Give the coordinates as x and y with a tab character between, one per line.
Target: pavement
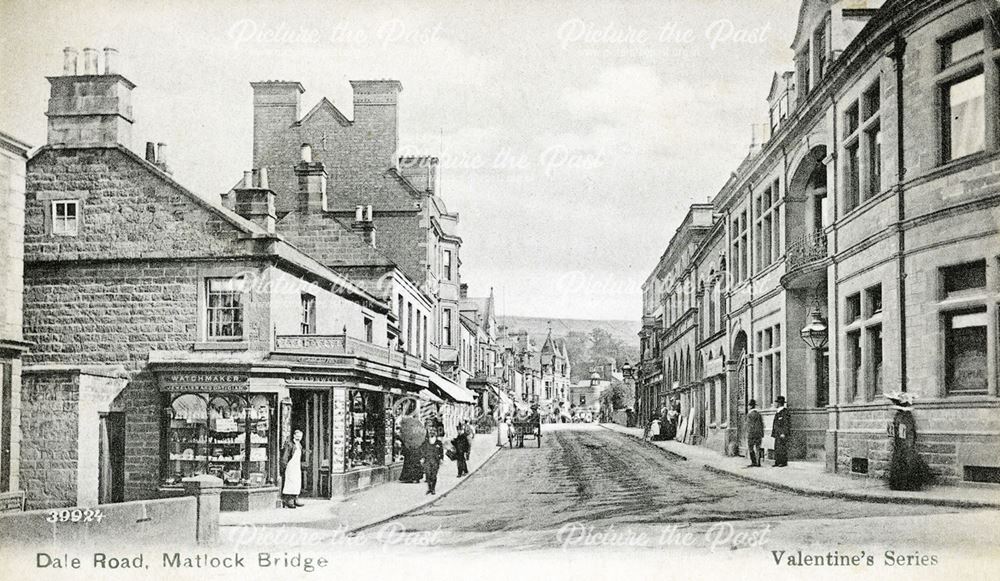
811	478
358	511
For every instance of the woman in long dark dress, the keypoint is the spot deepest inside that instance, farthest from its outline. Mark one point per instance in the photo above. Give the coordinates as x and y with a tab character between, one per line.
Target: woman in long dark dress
413	435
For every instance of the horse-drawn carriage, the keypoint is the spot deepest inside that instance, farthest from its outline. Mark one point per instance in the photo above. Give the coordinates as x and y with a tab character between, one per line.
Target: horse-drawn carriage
529	427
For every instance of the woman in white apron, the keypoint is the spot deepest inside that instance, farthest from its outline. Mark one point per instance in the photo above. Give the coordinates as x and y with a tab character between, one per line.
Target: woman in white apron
291	470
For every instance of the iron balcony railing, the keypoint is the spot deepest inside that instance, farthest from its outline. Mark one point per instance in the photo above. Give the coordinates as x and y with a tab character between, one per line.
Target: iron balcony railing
346	345
809	248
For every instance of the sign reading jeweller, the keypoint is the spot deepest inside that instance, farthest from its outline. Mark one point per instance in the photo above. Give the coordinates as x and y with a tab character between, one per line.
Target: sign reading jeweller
192	381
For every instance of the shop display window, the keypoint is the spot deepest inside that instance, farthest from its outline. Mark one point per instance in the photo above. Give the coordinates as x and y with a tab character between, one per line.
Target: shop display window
365	429
224	435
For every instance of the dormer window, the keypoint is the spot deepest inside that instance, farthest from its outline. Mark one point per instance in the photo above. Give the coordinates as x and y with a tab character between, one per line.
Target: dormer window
819	51
66	218
803	70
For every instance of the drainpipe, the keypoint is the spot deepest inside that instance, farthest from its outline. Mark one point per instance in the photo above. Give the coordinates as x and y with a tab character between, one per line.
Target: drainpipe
897	54
752	385
834	310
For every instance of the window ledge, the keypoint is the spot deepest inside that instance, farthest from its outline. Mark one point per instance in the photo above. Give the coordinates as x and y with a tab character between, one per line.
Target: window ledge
221	346
954	166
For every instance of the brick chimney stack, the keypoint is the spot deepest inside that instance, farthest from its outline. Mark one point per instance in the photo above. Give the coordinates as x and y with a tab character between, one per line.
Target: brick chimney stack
364	225
90	109
375	111
312	182
254	200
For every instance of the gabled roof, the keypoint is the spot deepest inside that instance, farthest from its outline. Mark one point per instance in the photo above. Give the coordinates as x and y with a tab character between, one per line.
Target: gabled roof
779	84
807	9
324	104
281	249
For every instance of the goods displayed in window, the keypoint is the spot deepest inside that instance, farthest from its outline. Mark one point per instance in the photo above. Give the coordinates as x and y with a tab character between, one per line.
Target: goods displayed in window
365	429
227	436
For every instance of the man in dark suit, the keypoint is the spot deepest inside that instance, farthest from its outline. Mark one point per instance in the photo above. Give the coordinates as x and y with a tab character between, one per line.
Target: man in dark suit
781	429
755	434
432	452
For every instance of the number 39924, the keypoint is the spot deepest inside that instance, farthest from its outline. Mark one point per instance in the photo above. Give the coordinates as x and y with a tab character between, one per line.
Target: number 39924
75	515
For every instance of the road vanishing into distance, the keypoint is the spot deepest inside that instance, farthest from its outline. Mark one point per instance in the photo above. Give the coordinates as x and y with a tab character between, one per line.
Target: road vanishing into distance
589	487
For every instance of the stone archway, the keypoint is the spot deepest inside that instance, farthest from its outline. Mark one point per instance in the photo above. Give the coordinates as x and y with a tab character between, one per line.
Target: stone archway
737	380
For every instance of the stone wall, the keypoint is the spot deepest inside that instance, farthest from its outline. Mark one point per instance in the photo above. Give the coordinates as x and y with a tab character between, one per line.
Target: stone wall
116	314
168	522
50	449
128	210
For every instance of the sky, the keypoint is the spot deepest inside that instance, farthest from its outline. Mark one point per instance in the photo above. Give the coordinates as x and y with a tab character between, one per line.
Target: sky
572	135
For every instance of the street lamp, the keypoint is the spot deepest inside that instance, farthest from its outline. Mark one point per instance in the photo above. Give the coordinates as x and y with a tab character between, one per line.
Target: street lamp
815	331
627	371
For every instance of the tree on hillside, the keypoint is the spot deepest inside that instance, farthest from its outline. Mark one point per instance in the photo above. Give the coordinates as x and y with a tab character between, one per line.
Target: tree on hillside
606	346
578	350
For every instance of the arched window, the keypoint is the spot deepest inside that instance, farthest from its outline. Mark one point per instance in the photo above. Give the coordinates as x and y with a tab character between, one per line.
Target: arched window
711	297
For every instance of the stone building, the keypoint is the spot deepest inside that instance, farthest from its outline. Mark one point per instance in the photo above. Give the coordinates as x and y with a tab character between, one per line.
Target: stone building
859	245
485	377
13	155
556	374
176	337
357	160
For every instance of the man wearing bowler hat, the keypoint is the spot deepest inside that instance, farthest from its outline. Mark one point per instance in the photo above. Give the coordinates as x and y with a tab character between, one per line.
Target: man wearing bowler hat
781	429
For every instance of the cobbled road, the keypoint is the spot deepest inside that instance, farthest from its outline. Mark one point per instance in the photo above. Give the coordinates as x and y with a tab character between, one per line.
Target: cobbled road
590	487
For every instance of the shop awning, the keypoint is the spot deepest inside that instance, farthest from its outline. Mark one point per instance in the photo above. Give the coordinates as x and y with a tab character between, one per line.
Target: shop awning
426	394
505	399
449	388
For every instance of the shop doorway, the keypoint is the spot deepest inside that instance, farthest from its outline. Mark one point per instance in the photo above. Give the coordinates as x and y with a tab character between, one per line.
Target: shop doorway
311	413
111	458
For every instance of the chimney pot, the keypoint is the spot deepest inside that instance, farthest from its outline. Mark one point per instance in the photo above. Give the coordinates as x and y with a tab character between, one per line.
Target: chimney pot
248	179
263	178
90	61
69	61
368	213
306	153
150	152
161	153
359	213
110	61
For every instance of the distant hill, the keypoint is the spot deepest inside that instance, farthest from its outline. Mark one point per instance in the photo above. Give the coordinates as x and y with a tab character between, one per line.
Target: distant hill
620	341
538	327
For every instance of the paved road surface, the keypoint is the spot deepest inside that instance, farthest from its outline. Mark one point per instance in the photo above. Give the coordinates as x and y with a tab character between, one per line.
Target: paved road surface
588	486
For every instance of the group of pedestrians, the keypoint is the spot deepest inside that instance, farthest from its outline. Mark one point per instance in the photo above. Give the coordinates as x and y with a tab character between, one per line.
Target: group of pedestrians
424	451
663	426
781	429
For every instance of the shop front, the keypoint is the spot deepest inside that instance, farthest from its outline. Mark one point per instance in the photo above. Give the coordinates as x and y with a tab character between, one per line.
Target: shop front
231	420
214	424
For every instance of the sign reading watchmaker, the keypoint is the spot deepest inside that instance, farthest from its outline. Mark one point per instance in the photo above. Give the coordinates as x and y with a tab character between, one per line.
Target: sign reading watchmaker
199	381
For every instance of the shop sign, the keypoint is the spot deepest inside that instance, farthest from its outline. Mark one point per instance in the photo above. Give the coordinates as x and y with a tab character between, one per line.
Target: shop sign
309	378
211	382
11	502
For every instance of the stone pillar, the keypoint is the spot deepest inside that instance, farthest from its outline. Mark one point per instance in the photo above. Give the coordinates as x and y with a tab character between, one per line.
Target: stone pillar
207	491
733	416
